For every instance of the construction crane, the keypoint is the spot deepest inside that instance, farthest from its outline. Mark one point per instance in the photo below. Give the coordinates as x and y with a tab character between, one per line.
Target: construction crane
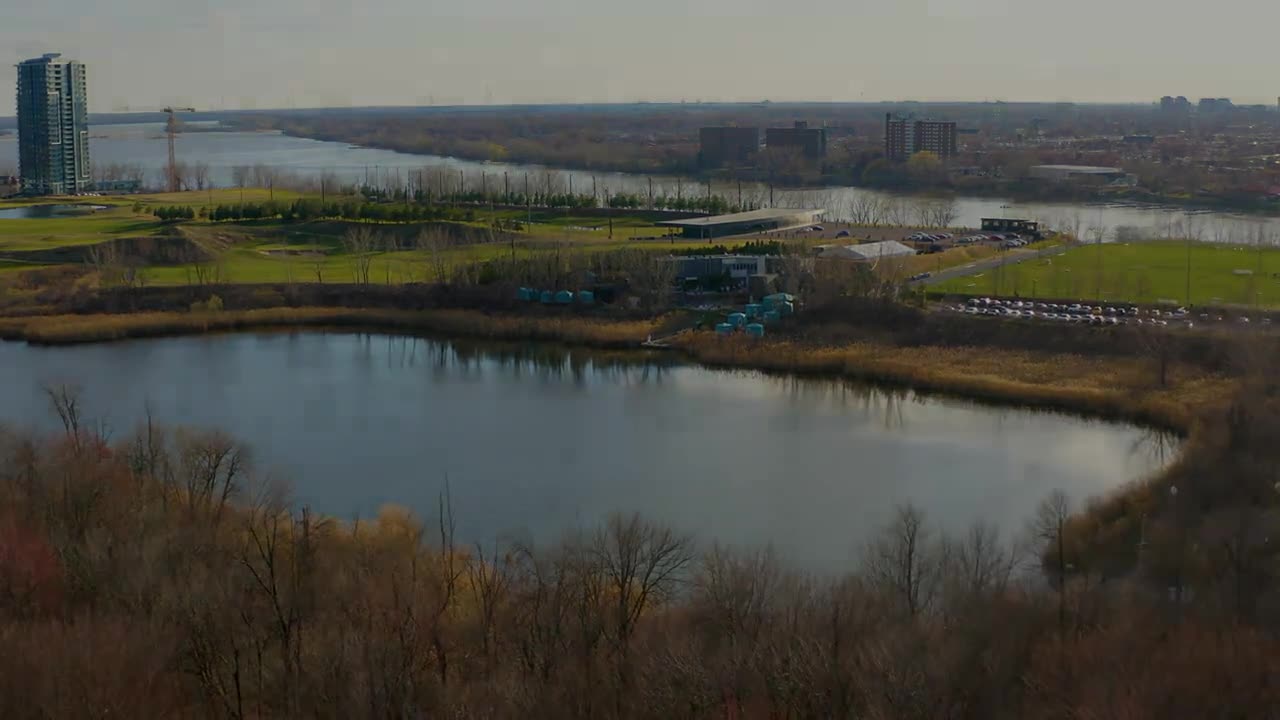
171	129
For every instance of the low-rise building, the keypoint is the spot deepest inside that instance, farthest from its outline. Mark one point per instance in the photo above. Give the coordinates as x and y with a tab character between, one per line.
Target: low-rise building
751	221
733	146
1088	174
809	142
866	252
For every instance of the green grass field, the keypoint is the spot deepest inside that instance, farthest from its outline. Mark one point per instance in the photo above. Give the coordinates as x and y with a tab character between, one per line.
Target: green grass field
1137	272
272	251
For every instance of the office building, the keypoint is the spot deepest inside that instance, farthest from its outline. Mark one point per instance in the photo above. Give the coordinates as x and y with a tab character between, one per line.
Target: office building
1171	104
53	126
906	136
733	146
808	142
1215	105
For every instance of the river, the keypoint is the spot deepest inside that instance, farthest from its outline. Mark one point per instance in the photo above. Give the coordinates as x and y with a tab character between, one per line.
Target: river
144	144
535	440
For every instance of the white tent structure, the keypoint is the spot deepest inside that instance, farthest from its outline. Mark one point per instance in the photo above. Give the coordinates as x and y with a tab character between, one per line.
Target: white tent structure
866	252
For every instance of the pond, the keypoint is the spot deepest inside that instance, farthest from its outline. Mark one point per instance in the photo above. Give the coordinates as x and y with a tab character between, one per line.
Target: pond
536	440
47	211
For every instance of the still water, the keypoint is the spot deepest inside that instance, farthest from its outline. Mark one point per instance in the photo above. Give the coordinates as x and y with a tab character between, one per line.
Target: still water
144	144
536	440
47	211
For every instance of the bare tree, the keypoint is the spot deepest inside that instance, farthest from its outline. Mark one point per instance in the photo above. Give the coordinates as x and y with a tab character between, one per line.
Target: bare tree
432	244
905	562
200	175
1049	527
360	242
65	401
643	565
866	209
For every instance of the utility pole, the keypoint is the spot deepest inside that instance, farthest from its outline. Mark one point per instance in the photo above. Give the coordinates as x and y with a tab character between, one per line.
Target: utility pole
1188	290
650	193
528	200
506	187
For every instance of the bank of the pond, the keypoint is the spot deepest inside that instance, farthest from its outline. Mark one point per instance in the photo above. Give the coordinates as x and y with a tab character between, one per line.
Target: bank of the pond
1115	388
1118	388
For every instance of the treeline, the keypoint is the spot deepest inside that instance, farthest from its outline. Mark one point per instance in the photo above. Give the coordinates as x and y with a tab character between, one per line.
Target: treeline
751	247
707	203
304	210
155	575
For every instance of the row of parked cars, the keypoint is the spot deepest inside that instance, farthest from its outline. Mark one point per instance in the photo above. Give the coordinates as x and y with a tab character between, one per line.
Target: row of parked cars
1073	312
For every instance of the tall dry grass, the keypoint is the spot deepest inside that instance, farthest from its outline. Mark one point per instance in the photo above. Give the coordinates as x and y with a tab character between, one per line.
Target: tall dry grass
70	329
1106	387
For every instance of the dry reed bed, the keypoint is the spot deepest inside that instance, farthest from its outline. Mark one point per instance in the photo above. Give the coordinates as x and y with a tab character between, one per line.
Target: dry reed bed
71	329
1112	387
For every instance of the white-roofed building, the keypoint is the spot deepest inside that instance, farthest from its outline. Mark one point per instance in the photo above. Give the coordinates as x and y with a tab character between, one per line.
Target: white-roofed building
866	252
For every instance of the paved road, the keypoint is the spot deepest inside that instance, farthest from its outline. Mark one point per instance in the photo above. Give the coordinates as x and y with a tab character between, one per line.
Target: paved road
1008	257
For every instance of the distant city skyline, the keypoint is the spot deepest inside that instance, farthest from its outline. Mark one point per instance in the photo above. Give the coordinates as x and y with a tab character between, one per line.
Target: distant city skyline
251	54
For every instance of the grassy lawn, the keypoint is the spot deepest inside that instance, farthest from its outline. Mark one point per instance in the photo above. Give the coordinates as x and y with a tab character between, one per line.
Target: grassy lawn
1138	272
47	233
265	251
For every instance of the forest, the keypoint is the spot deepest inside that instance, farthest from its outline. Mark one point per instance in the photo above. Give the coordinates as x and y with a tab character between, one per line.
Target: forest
157	573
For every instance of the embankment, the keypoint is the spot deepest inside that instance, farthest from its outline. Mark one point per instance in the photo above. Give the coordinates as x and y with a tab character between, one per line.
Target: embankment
1115	387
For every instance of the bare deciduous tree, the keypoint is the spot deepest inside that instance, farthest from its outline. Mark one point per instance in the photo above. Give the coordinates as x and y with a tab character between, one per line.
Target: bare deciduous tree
643	565
360	241
905	562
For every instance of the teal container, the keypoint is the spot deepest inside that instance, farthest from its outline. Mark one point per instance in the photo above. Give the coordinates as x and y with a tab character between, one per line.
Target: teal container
755	330
524	294
564	297
724	329
546	297
771	316
737	319
754	310
780	298
586	297
786	308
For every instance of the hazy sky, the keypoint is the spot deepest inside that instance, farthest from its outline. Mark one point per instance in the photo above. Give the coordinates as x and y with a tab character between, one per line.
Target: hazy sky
282	53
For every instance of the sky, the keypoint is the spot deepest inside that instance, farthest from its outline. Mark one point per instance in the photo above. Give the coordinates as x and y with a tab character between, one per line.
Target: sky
243	54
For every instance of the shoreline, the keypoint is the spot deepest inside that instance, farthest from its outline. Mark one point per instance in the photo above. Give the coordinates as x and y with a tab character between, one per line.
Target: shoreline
924	369
1061	196
1106	389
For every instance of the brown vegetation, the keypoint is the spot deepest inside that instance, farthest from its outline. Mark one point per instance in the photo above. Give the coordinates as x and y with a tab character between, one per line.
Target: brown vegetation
67	329
158	576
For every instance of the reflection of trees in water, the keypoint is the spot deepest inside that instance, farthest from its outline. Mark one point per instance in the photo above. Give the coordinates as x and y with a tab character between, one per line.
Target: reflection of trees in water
885	402
539	361
1156	446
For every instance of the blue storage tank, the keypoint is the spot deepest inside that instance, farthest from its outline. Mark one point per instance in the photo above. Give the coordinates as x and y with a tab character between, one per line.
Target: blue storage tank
772	316
754	310
737	319
786	308
724	329
755	330
564	297
586	297
546	297
524	293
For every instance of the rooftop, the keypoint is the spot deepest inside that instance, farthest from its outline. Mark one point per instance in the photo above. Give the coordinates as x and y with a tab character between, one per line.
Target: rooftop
1082	169
743	217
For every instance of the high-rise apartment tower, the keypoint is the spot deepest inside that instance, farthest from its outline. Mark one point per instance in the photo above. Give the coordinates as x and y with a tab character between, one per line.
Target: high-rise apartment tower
53	126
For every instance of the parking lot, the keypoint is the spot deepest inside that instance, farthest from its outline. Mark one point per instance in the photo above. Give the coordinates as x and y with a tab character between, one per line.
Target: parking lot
1100	315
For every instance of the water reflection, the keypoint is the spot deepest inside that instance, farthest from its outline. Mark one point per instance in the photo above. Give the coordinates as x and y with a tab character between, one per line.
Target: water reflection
537	438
